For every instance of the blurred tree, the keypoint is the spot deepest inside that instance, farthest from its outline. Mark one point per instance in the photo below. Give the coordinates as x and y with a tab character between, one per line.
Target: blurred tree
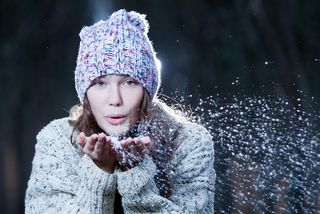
38	52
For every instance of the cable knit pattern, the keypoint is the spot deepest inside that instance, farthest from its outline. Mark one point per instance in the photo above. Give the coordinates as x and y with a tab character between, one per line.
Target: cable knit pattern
63	180
118	45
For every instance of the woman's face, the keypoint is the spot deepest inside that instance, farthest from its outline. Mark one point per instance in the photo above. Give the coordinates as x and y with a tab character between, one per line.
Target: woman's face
115	102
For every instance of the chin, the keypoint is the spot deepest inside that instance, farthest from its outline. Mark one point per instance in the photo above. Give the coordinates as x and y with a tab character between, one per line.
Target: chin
117	131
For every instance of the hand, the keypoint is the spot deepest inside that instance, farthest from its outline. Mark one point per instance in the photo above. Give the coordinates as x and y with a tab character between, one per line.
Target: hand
132	151
98	148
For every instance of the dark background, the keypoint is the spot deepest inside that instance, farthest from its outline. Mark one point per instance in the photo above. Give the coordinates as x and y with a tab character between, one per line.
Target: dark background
206	47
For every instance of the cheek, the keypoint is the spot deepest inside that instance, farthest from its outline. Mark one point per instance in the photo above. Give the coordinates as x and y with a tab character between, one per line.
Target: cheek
94	102
135	102
97	111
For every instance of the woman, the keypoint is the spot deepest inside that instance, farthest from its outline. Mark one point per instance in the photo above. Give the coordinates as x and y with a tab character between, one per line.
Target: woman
121	149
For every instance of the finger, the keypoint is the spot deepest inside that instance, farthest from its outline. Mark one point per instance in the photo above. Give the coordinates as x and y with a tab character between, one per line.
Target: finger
90	143
87	149
102	137
148	143
98	149
142	144
133	146
109	144
93	139
126	143
138	141
108	140
107	147
146	140
139	145
106	144
81	139
99	145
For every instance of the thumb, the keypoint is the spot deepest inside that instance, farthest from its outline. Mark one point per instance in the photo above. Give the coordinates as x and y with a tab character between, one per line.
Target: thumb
146	141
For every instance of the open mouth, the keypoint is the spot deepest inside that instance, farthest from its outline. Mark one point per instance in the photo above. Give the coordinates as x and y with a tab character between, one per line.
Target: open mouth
116	120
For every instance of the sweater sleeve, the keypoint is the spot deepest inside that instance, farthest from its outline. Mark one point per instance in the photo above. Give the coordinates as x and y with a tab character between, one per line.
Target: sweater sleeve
193	185
63	181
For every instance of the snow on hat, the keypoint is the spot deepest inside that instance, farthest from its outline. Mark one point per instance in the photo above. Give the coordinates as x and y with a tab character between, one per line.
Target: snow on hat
119	45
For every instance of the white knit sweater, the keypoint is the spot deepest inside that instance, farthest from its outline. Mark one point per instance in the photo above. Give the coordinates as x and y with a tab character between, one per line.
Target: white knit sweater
64	180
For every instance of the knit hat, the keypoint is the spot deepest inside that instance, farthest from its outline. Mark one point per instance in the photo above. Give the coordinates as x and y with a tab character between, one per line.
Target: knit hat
119	45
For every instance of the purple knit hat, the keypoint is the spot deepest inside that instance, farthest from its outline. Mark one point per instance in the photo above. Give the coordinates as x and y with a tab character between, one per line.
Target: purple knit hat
119	45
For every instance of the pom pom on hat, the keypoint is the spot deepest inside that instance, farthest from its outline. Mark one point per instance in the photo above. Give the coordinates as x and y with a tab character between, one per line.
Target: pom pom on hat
139	20
119	45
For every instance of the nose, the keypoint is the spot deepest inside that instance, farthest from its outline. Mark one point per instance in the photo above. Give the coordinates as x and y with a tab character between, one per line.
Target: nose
115	98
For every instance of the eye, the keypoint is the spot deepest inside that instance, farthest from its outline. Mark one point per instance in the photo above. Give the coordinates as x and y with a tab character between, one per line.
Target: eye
130	82
100	83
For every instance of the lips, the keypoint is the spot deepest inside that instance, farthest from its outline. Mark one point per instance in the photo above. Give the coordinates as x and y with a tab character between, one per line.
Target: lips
116	119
